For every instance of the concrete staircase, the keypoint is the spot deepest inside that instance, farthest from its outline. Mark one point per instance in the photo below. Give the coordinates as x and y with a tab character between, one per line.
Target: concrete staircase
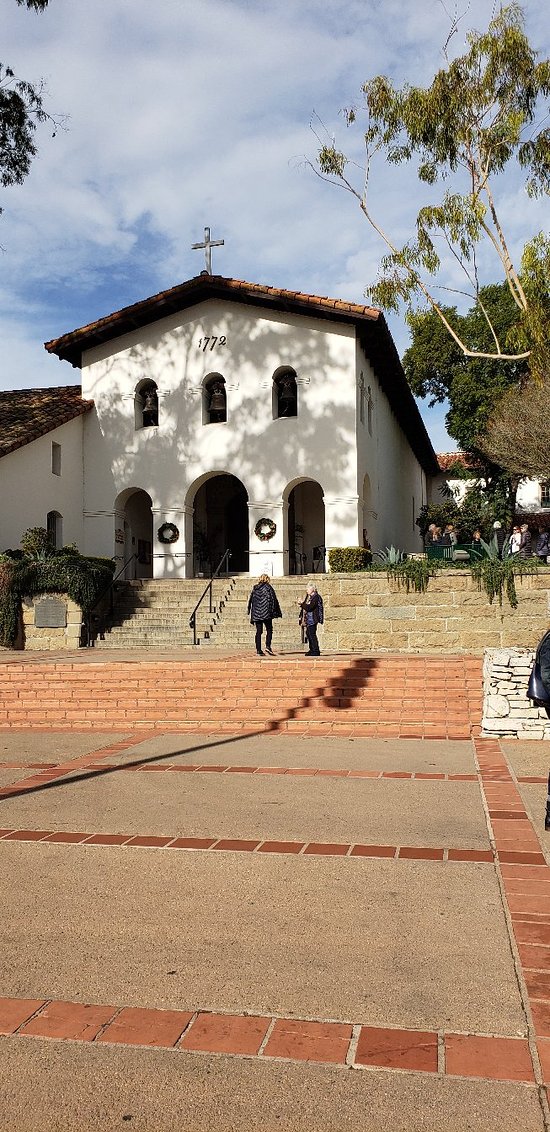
233	628
154	613
384	696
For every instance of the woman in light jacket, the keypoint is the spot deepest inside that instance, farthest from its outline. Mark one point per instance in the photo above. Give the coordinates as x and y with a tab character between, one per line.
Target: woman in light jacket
311	616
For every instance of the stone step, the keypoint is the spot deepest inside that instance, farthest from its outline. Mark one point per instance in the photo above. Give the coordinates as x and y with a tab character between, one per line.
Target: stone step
155	613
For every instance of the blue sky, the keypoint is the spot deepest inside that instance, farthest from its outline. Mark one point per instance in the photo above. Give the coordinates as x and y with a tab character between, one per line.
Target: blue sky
183	114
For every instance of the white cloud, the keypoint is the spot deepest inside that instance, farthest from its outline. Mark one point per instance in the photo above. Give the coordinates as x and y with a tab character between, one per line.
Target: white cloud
184	114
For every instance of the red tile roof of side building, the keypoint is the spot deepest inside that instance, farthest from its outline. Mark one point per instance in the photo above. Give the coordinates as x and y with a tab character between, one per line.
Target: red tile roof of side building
447	460
27	414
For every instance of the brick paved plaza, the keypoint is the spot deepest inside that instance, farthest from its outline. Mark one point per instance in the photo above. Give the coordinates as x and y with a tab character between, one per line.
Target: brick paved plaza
223	931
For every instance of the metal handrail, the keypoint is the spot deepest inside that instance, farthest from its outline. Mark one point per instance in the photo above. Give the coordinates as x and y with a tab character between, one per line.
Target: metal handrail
108	590
208	590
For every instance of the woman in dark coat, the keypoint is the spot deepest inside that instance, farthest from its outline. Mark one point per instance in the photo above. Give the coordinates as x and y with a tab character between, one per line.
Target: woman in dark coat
263	606
526	542
543	545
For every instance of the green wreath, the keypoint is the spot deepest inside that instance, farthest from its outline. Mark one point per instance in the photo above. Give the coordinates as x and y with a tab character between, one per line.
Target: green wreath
265	529
168	533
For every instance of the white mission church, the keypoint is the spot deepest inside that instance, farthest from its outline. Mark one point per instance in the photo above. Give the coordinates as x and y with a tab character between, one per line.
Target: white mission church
220	415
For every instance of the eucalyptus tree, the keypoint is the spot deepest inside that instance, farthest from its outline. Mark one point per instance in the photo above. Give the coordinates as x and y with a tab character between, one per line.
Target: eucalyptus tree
483	114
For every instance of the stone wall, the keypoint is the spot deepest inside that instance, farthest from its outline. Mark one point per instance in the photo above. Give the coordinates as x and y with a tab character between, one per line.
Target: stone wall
369	613
62	636
507	713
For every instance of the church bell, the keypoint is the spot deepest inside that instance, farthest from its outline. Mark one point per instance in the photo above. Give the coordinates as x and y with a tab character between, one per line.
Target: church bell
217	401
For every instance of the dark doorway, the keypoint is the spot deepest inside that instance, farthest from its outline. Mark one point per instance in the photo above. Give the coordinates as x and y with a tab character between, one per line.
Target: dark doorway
306	528
220	523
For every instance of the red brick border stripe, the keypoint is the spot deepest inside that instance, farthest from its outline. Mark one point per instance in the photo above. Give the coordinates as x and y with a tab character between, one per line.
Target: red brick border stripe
45	770
291	1039
525	881
248	845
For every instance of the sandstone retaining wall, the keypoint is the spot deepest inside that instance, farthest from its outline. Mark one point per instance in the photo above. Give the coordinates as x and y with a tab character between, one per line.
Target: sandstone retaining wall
65	636
368	612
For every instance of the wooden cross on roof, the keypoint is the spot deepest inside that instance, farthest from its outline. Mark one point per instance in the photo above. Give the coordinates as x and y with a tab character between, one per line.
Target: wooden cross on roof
208	244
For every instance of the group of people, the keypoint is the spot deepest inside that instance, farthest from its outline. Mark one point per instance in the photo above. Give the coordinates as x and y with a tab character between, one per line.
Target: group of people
264	608
521	541
436	536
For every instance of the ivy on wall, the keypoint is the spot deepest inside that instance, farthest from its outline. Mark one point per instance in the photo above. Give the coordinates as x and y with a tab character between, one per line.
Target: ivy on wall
83	579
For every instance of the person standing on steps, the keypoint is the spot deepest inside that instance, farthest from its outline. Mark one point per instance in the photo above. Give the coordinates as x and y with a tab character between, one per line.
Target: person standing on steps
263	606
312	615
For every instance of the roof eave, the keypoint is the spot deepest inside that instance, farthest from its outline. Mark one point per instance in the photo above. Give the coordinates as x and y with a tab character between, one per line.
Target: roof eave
70	347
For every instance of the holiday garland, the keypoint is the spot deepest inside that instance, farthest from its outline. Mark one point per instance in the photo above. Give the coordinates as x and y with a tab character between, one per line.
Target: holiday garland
265	529
168	533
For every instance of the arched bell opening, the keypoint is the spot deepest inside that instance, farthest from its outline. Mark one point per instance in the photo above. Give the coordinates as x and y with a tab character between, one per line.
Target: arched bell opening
214	399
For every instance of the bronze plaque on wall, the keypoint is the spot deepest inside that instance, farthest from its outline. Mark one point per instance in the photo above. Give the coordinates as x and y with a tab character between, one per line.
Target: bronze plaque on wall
50	613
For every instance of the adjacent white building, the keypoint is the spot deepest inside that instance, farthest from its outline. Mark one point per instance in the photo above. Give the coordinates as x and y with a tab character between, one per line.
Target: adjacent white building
222	415
532	498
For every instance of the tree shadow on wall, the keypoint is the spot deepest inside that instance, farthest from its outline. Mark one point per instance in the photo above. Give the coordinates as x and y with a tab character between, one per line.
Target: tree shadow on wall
252	445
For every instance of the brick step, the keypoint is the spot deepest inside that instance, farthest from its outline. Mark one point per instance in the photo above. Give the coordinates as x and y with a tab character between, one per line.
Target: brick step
344	672
244	703
368	695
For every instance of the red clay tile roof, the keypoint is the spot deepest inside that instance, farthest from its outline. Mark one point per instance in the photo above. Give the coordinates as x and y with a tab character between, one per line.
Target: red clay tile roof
26	414
448	460
70	346
371	328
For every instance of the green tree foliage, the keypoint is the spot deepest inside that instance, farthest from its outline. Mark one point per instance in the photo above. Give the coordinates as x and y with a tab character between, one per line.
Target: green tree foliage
484	110
438	369
21	110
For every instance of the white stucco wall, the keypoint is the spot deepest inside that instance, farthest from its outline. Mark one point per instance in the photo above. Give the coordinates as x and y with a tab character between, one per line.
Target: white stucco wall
30	489
396	488
528	498
268	456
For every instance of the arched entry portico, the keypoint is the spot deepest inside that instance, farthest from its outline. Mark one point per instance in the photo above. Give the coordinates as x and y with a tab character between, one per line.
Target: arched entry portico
219	502
134	533
305	526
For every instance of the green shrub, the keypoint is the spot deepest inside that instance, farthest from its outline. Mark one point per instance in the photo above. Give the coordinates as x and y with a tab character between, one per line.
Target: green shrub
497	575
83	579
390	556
349	559
10	604
37	544
415	573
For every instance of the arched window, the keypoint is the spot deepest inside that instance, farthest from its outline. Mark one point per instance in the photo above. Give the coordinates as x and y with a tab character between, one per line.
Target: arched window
285	394
146	404
54	527
214	400
545	493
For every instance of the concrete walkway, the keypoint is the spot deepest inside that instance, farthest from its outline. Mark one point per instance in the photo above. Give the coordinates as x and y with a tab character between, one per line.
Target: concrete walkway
225	933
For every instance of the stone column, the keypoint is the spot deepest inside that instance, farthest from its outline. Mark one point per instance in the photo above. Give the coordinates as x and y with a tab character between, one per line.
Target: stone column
267	557
170	559
343	524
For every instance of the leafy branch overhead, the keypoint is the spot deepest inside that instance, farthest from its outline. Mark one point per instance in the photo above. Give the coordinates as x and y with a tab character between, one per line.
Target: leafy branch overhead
22	109
484	110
